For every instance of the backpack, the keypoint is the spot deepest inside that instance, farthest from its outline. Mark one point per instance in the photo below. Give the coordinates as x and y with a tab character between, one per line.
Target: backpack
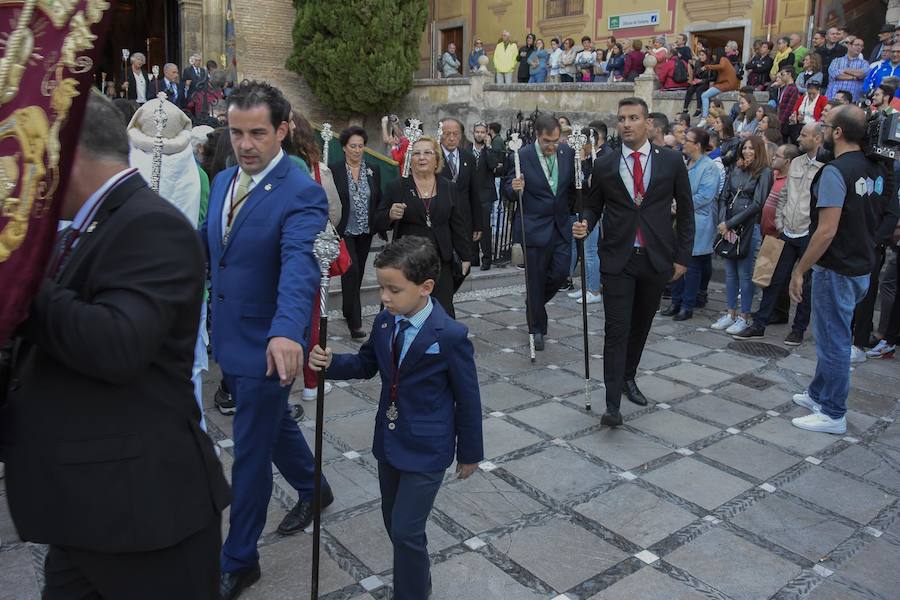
738	69
680	73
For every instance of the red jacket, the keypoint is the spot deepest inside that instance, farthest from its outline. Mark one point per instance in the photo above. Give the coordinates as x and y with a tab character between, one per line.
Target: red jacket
634	64
821	101
666	72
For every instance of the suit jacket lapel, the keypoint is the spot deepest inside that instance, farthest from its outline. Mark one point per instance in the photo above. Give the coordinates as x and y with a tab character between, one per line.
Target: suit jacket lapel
425	338
265	187
117	196
214	214
382	341
655	161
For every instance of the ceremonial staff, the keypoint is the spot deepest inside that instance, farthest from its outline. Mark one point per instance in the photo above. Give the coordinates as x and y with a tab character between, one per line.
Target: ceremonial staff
413	133
514	144
326	249
326	138
577	140
162	119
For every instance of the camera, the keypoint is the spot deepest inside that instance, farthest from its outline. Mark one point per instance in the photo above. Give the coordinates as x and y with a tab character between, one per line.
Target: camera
883	136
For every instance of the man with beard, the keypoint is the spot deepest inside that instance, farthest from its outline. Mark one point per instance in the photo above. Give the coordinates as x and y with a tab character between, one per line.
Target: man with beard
640	251
488	166
849	203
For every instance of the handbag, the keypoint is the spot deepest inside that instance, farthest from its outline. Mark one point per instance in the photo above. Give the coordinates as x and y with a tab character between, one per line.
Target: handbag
735	244
766	260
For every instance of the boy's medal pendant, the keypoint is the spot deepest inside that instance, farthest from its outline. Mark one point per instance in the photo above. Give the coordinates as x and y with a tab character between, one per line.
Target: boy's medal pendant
392	413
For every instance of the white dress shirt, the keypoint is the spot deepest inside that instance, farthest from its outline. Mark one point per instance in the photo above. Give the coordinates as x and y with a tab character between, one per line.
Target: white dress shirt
140	87
254	181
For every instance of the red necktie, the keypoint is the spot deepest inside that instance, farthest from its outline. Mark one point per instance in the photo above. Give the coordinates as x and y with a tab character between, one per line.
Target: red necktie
638	187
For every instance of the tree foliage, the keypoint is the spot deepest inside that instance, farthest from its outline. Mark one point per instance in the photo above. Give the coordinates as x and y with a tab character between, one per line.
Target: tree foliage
358	56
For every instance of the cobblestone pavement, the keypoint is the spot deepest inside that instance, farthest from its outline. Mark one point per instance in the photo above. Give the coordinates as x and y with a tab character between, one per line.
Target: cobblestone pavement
707	493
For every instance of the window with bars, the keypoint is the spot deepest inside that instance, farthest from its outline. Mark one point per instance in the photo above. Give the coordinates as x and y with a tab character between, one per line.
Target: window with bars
563	8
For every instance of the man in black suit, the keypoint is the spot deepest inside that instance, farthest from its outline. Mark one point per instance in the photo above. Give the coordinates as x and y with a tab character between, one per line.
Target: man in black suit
170	86
548	188
459	167
488	166
106	461
640	252
193	76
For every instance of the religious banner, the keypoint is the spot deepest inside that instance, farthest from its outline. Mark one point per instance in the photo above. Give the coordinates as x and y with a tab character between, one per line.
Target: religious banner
48	52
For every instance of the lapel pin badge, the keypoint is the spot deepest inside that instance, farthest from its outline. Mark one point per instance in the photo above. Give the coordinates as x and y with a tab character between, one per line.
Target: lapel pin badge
92	227
384	325
268	187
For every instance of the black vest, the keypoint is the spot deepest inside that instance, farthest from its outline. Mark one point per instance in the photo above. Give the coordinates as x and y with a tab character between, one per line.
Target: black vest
852	251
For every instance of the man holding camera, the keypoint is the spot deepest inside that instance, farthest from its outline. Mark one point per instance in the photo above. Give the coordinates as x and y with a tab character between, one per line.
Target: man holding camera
850	199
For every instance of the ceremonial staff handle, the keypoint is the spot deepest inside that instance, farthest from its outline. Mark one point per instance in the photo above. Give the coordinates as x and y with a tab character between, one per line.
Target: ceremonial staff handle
162	119
326	249
514	144
413	133
326	139
578	140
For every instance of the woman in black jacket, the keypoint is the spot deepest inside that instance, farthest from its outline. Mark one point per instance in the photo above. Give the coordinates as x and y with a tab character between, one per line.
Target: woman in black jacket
359	187
703	78
760	66
424	205
523	74
740	206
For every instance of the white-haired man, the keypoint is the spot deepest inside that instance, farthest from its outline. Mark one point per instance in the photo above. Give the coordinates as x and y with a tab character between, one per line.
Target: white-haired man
193	76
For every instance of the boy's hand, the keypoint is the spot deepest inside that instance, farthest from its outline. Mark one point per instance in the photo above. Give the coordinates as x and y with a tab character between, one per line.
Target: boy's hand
319	359
463	471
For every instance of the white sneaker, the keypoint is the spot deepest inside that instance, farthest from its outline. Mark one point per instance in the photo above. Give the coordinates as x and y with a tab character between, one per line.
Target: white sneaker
309	394
574	294
592	298
857	355
821	422
806	402
881	350
739	325
724	322
702	123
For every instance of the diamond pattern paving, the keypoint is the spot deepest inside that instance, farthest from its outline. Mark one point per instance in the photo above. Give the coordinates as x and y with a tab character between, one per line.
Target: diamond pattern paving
669	507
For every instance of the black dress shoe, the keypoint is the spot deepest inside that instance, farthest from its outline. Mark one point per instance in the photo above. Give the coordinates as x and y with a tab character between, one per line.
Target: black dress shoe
671	311
357	334
302	514
485	266
611	419
634	394
231	585
683	315
538	341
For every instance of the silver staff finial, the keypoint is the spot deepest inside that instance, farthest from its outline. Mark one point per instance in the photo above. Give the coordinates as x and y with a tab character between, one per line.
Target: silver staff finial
161	119
326	248
327	134
413	133
578	140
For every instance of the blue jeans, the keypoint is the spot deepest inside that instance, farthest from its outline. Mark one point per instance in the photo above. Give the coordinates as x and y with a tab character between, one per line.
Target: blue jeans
538	77
834	297
705	97
591	259
739	277
684	291
406	502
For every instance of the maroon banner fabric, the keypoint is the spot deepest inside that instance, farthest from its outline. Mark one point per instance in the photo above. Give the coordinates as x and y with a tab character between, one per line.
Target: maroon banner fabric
46	75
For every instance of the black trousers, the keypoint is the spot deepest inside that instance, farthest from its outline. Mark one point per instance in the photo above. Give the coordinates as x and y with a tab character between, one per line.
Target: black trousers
772	296
630	300
351	281
865	310
892	331
695	89
487	239
548	267
189	569
443	288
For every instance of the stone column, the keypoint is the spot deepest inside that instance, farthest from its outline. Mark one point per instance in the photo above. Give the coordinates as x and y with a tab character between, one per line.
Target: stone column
647	82
191	29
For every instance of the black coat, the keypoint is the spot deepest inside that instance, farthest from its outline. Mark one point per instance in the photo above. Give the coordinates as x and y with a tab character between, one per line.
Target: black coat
131	92
488	166
339	173
101	431
621	216
189	75
468	198
448	226
158	85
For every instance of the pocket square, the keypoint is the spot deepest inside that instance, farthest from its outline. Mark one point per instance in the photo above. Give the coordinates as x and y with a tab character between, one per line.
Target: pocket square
433	349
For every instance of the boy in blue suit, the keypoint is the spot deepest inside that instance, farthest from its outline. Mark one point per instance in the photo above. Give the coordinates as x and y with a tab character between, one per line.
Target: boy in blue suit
430	403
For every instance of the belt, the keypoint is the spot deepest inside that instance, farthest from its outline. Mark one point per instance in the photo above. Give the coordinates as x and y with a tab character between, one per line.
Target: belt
639	251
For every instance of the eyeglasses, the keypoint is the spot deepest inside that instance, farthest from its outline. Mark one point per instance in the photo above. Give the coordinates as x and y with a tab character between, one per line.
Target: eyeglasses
418	153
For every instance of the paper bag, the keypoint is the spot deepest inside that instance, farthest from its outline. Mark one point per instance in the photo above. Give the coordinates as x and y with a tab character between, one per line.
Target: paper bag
767	260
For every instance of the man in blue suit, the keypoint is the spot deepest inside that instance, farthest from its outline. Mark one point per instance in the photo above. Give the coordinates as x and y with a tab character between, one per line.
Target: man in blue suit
430	404
264	215
547	198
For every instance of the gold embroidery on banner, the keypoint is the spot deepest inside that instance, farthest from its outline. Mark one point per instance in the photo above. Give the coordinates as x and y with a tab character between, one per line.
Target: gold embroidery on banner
17	51
58	11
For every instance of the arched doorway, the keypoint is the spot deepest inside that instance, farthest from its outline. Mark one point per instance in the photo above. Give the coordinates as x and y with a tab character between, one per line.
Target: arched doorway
137	25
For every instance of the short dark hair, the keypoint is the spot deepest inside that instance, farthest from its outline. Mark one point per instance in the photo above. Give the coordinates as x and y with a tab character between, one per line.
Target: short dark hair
414	256
546	123
660	121
103	134
495	127
635	101
585	38
788	70
845	94
348	133
211	64
250	94
600	127
701	136
852	121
